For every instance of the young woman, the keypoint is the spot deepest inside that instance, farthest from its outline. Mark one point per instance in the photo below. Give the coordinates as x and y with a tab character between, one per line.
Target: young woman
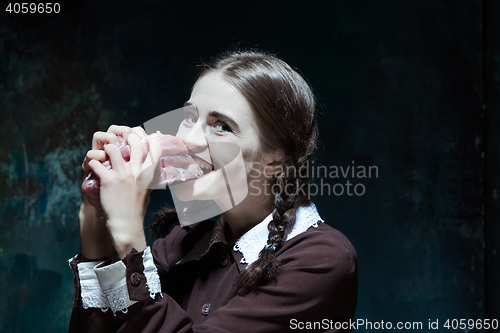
269	264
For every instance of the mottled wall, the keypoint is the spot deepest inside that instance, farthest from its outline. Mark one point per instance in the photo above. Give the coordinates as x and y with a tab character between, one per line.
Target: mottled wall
492	155
399	86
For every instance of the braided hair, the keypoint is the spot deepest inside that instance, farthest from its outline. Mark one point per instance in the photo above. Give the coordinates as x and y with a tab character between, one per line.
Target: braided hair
283	107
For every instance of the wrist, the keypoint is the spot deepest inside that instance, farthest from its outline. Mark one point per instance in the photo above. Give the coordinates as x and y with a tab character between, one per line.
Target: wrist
124	237
123	248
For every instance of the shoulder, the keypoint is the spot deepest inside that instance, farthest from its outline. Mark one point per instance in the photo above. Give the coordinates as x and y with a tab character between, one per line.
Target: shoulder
320	268
323	248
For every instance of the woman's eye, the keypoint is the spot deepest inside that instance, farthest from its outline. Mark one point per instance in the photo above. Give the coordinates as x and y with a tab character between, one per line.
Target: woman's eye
221	126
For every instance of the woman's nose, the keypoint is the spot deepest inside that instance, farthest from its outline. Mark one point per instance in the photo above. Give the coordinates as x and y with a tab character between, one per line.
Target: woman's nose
195	139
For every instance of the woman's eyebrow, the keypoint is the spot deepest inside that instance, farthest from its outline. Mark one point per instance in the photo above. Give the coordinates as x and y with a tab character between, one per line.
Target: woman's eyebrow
217	114
225	118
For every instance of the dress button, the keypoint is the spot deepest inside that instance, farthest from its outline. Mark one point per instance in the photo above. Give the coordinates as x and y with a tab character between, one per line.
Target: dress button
135	279
224	261
205	308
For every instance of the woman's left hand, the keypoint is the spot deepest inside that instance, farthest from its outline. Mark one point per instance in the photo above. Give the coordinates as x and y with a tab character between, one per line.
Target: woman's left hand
123	201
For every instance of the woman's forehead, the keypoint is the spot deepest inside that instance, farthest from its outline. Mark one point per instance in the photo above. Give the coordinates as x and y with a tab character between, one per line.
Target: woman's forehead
213	92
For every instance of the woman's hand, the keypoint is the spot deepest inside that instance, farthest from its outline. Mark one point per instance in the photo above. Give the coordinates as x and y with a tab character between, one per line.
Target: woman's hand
124	203
94	236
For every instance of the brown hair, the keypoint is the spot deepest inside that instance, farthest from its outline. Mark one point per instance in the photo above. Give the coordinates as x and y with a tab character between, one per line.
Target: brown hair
283	106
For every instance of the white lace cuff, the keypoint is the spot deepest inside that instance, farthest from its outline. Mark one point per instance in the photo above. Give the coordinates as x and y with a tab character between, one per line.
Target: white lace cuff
112	280
91	291
151	273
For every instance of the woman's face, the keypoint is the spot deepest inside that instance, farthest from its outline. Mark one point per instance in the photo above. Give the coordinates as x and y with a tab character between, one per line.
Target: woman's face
218	121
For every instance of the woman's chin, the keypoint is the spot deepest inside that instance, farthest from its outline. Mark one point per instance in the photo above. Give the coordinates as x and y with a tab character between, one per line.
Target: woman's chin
209	186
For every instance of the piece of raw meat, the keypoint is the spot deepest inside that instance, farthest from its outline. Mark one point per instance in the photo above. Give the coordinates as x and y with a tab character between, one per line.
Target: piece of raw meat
175	165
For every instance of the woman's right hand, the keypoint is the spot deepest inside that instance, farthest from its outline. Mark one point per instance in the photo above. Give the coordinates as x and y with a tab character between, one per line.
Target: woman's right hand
96	238
124	189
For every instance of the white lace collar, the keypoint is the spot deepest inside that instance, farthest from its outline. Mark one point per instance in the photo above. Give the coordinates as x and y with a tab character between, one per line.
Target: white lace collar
254	240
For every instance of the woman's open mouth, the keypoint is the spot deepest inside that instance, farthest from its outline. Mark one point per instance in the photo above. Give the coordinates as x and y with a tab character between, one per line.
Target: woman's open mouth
204	165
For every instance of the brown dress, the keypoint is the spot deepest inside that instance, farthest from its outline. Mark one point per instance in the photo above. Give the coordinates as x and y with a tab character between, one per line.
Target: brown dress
315	288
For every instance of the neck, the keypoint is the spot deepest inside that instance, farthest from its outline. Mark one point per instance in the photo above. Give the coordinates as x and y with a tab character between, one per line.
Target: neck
250	212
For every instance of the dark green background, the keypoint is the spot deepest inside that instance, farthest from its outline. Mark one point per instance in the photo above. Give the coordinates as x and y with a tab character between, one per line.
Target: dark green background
411	87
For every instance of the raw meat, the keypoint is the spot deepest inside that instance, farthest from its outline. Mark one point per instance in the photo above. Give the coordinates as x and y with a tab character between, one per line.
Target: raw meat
175	165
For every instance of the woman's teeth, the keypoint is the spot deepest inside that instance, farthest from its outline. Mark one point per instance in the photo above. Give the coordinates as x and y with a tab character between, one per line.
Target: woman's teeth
205	166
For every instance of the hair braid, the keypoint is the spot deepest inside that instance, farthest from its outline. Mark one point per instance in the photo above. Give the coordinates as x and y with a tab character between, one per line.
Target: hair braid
267	265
